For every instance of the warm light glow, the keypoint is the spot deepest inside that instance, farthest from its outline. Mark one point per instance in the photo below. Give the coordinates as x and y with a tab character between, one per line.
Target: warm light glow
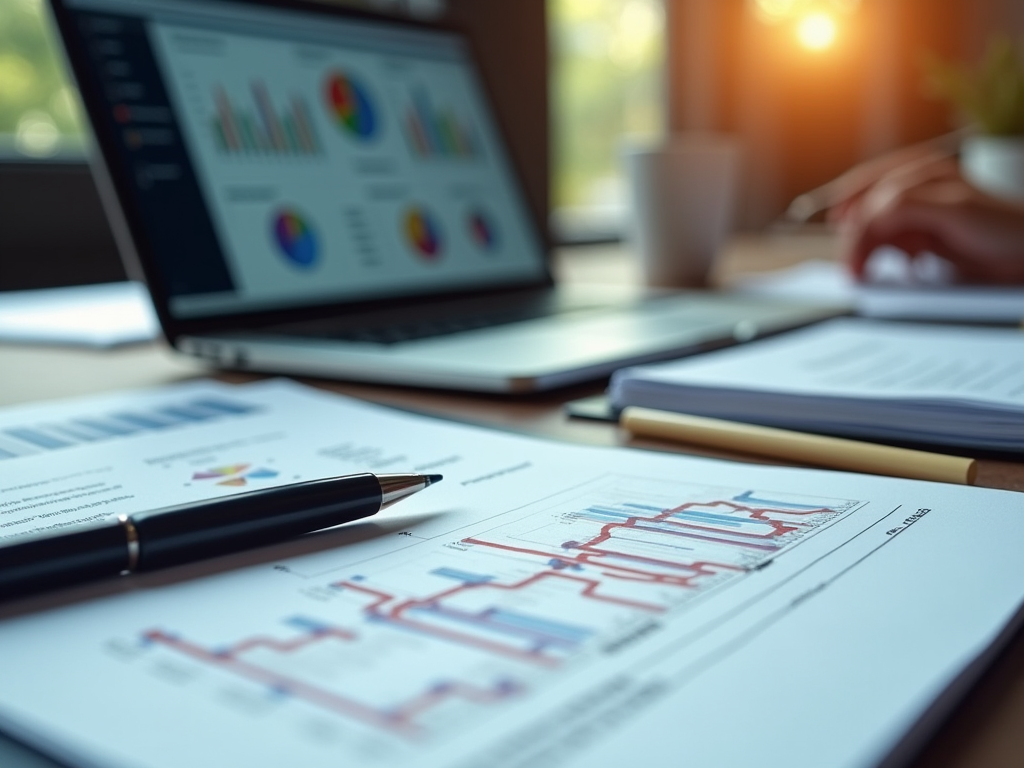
773	11
816	31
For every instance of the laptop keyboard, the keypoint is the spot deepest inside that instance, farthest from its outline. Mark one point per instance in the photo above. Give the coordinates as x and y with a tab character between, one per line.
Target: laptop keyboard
394	333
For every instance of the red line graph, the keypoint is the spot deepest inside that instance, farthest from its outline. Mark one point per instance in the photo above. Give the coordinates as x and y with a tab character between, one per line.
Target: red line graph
779	528
312	694
590	552
388	607
614	570
592	569
398	720
444	691
286	646
398	613
375	609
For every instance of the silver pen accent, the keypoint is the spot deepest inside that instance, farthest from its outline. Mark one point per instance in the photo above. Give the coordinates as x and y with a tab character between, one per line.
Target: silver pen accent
396	487
131	536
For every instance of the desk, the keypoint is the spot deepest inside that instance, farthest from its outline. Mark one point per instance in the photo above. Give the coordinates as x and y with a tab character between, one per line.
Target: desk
984	731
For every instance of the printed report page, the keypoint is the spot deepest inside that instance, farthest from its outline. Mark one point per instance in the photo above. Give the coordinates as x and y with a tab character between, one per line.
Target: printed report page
544	605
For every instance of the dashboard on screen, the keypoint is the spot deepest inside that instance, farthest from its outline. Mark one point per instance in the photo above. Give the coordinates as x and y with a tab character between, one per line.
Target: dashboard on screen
281	159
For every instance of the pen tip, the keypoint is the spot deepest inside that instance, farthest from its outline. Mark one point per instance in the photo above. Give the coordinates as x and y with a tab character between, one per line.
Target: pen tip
431	479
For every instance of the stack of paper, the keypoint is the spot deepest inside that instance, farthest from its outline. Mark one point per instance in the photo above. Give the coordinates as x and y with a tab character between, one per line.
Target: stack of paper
892	381
545	605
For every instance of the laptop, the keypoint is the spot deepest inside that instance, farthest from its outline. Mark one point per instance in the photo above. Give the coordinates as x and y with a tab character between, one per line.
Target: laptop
313	189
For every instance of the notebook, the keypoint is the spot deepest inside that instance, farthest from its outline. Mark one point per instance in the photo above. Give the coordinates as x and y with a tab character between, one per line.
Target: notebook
314	189
940	385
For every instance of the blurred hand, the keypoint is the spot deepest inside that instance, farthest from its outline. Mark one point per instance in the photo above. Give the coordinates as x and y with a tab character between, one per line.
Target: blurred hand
848	189
925	205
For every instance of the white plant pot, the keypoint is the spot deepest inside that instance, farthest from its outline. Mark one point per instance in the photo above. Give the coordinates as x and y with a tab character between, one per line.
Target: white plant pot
995	164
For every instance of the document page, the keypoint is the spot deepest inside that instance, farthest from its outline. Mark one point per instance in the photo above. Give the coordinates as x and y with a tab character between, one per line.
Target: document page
71	463
864	359
544	605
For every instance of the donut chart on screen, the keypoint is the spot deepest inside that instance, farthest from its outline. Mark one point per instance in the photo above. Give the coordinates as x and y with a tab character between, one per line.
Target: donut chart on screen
482	230
349	105
295	238
422	233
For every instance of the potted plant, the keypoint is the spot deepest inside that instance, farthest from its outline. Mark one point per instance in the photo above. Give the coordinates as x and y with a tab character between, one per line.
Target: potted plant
991	97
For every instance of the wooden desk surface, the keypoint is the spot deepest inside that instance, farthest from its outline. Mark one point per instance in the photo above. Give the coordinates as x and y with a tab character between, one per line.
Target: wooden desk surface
986	728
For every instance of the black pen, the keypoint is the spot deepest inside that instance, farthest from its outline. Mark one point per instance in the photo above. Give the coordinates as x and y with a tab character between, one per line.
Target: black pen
178	534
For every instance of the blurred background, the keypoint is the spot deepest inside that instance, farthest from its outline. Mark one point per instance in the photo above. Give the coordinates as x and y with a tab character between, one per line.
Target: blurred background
810	86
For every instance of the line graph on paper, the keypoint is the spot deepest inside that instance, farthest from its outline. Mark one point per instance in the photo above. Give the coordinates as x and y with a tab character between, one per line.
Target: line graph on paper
428	638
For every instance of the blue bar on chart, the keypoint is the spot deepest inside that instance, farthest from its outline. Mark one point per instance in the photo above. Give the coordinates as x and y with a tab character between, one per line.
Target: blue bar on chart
36	438
26	440
464	576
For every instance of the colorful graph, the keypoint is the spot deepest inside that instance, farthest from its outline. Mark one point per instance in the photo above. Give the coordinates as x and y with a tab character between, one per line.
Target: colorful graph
349	104
482	231
264	130
425	643
235	475
434	132
295	238
422	233
399	717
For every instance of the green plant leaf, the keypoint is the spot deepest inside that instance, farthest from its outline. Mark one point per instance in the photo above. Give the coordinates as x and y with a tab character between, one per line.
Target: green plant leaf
991	94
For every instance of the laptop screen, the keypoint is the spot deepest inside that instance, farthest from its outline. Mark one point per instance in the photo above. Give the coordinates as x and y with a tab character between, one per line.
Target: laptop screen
280	158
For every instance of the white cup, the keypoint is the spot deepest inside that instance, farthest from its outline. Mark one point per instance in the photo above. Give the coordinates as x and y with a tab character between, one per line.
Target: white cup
995	164
683	195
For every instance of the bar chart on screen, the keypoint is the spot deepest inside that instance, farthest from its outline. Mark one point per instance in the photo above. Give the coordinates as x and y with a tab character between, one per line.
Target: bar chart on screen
264	129
414	646
434	132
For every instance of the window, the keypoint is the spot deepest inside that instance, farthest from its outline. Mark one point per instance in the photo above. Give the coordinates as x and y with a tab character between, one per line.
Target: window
39	111
607	85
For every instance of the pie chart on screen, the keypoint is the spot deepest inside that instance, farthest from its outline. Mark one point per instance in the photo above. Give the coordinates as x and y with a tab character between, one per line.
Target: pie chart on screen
295	238
422	233
482	231
350	107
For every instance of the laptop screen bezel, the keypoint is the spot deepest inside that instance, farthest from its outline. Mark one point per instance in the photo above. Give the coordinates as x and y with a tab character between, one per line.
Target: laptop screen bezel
139	253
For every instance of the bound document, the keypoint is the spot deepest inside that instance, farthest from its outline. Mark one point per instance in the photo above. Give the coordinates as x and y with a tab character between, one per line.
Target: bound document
942	385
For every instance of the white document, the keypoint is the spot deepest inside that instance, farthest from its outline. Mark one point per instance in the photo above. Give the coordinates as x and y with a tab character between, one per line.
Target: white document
928	383
897	297
544	605
104	315
70	463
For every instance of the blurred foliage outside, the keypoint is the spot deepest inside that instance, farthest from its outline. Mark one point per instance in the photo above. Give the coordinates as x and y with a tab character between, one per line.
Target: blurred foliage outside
989	95
607	87
39	111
